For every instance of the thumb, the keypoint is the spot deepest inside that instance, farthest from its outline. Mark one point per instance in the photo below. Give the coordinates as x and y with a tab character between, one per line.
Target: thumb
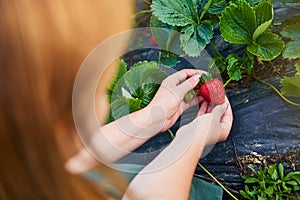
81	163
219	111
188	84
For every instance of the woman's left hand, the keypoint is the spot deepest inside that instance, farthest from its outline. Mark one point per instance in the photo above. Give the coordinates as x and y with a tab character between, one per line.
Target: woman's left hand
168	103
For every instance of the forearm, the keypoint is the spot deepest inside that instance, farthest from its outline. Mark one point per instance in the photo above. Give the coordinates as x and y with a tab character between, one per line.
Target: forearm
118	138
176	166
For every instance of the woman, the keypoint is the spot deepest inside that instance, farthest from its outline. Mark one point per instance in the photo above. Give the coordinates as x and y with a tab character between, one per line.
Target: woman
42	46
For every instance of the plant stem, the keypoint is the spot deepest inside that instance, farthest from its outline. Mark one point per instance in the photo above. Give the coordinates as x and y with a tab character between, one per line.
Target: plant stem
277	24
204	169
141	12
171	133
147	2
277	91
159	59
206	6
170	38
228	81
216	50
214	178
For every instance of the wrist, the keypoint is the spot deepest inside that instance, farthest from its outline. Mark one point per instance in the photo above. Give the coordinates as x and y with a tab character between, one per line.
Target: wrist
195	135
156	117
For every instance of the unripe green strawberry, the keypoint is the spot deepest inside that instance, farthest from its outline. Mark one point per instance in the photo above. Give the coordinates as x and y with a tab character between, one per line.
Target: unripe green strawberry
189	96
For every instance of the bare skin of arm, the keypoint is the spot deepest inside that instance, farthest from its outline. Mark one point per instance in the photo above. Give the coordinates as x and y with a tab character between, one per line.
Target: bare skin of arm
117	139
175	166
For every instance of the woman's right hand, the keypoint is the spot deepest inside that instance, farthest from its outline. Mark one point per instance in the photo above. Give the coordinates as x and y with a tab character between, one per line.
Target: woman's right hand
214	122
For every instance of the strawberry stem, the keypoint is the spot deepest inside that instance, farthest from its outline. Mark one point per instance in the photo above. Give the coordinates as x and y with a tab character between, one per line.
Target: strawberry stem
141	12
228	81
277	91
212	176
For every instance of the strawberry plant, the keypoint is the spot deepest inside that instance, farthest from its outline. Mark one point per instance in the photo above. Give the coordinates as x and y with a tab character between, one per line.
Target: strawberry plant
290	86
133	89
292	48
271	183
241	23
188	27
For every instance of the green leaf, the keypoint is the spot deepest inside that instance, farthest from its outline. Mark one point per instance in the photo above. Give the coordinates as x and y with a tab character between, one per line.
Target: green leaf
245	195
291	183
291	31
143	80
248	62
217	64
273	172
121	71
292	175
123	106
166	36
296	177
263	12
270	190
160	31
261	198
168	59
195	38
297	65
217	7
251	2
296	188
175	12
234	66
281	170
291	20
252	180
238	23
264	16
292	48
290	86
267	46
135	89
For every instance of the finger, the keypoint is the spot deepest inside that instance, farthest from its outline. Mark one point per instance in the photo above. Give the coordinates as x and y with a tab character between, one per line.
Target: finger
81	163
219	111
227	120
182	75
188	85
203	108
210	107
228	116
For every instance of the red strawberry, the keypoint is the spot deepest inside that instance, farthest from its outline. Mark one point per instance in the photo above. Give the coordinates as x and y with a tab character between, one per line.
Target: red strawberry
212	90
153	41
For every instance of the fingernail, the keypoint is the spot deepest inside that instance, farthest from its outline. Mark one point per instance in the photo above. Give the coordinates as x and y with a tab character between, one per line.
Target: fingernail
196	77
